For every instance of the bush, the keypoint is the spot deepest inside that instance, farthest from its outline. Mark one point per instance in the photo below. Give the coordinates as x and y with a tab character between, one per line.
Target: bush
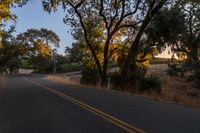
90	76
159	61
3	70
114	78
174	70
69	68
190	78
149	84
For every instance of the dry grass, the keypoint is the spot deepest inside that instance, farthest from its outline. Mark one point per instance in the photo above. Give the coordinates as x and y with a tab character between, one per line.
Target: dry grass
174	89
72	80
63	79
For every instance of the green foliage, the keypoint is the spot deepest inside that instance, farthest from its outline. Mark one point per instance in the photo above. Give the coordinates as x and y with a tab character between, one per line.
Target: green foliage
25	64
39	44
10	51
75	54
149	84
178	27
90	76
6	13
61	59
68	68
32	37
14	65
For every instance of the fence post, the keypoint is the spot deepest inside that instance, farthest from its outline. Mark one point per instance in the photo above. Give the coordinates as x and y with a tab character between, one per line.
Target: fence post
108	87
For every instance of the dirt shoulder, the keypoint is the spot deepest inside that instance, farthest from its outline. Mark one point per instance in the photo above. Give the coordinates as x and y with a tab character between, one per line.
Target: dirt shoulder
2	85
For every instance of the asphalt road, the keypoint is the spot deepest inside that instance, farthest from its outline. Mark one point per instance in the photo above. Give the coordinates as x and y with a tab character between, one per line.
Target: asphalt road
34	105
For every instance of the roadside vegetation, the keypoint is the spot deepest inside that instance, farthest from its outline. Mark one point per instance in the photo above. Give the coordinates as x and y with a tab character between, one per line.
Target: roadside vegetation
115	43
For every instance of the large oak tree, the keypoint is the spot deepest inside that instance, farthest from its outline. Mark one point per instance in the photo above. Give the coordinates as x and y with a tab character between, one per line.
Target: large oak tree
111	16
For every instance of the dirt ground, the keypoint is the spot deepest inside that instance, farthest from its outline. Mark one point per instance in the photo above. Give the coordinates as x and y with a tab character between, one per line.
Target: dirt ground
2	84
175	89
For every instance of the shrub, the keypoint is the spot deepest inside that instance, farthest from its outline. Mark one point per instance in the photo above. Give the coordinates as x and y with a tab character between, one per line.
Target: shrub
69	68
3	70
90	76
190	78
159	61
114	78
174	70
149	84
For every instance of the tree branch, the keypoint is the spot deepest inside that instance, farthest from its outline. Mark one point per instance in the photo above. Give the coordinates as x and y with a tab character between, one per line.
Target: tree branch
86	35
101	14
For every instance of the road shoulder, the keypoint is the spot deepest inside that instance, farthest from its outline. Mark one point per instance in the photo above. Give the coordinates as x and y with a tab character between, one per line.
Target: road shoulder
2	86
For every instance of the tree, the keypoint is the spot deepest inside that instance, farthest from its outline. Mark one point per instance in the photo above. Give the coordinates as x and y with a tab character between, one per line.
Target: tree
110	17
10	49
75	54
39	45
5	12
130	62
190	39
179	28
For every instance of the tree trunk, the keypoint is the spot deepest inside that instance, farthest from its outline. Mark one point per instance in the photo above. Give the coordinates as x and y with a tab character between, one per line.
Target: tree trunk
133	53
105	60
104	73
195	59
135	46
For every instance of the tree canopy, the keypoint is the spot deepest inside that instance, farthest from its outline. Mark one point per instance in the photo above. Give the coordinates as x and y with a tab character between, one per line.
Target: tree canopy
102	22
39	44
179	28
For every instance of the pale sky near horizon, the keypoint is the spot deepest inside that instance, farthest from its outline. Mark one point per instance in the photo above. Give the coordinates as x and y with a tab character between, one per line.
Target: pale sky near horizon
32	15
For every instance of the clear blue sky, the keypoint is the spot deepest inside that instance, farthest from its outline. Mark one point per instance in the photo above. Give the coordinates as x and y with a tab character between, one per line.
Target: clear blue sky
32	15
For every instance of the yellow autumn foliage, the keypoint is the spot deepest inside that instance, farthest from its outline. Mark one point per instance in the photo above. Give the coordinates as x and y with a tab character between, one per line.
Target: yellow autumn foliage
145	64
43	49
5	12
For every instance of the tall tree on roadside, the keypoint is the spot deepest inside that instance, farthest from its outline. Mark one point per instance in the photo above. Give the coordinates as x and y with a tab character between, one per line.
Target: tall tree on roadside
111	16
10	49
6	14
179	28
39	45
152	7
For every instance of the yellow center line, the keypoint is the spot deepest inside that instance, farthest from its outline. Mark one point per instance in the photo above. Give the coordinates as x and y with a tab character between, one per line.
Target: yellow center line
127	127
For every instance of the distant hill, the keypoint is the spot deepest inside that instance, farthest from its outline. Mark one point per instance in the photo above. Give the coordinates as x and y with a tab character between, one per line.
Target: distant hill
157	60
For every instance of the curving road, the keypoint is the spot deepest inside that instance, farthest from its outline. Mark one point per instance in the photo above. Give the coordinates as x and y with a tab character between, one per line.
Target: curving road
33	105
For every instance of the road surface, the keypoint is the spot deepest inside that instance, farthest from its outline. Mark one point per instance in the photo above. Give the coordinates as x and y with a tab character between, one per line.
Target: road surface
33	105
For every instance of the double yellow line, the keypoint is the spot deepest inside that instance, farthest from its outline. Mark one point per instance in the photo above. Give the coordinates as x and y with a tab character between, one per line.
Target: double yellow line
127	127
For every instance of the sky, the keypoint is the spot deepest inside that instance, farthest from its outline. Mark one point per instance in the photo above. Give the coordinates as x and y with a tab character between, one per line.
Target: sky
32	15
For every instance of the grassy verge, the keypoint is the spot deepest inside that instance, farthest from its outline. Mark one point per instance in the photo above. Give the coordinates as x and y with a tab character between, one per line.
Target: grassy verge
62	79
174	89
